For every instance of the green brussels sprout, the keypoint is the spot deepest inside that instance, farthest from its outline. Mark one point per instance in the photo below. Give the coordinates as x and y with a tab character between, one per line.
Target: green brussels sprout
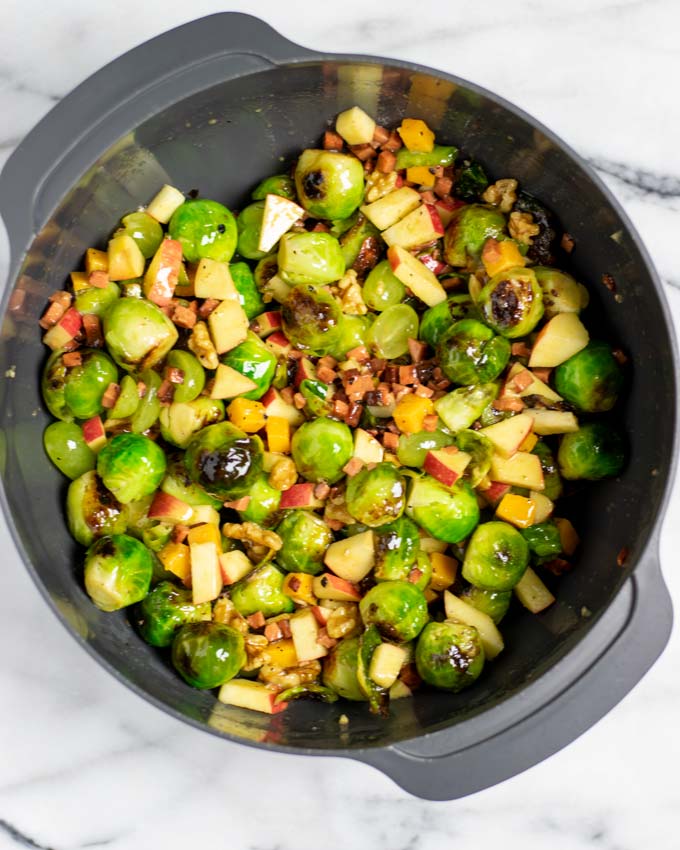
413	448
595	451
167	607
447	513
206	655
436	320
206	229
361	245
177	483
480	449
469	228
91	510
340	670
96	301
128	399
156	535
376	496
148	408
310	257
194	375
249	223
66	448
248	293
131	466
591	380
397	608
305	538
471	181
449	656
310	689
490	415
318	395
321	448
145	230
136	516
561	293
277	184
353	331
224	460
329	185
382	288
543	539
390	332
396	549
551	475
138	334
75	392
255	361
512	302
496	556
265	270
263	503
493	603
376	695
118	571
181	420
311	318
261	590
460	408
469	352
439	155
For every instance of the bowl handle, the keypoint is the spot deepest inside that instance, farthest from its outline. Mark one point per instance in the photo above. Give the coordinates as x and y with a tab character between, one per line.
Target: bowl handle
447	771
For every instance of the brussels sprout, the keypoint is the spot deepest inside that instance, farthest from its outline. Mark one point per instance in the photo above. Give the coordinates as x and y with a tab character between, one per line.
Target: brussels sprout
376	496
138	334
447	513
353	331
67	449
128	399
449	656
340	670
181	420
263	503
512	302
75	392
496	556
329	185
248	293
591	380
249	223
595	451
194	375
397	608
206	229
261	590
396	549
561	293
96	301
311	318
265	270
310	257
551	475
145	230
361	245
471	181
318	396
481	450
91	510
424	566
206	655
436	320
413	448
305	537
321	448
468	230
177	483
155	535
376	695
118	571
460	408
543	539
168	607
277	184
542	247
148	408
469	352
131	466
390	332
253	359
224	460
439	155
311	689
382	288
493	603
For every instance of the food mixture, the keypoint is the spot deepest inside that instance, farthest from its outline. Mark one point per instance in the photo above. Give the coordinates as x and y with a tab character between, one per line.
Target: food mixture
317	448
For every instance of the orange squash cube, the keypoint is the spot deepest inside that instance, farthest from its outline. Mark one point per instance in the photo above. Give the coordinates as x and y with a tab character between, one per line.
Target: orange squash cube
175	559
278	434
206	533
499	256
444	571
416	135
517	510
410	413
421	175
247	415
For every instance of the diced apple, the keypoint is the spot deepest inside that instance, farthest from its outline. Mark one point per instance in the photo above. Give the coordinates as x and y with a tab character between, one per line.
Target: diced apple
168	508
278	217
125	258
213	280
553	421
544	506
460	612
321	613
235	565
400	690
431	544
165	203
419	227
229	383
366	447
228	325
446	207
387	210
509	434
527	384
94	433
162	274
206	575
532	593
305	371
277	288
562	337
279	344
256	696
386	663
329	586
304	629
494	492
65	331
274	405
96	261
445	466
417	277
352	558
520	470
355	126
266	323
299	496
204	514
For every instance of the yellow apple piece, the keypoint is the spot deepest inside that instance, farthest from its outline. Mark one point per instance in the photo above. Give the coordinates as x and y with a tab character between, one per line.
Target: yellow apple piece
531	591
366	447
520	470
509	434
165	203
352	558
562	337
304	629
228	325
386	663
235	565
459	611
355	126
400	690
544	506
206	575
125	258
330	586
419	227
387	210
534	385
213	280
278	217
553	421
229	383
417	277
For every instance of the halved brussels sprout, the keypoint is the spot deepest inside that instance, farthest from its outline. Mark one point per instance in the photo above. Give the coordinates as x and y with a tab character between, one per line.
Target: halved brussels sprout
311	319
75	392
551	474
329	185
376	496
96	301
396	549
145	230
127	401
436	321
397	608
481	450
321	448
361	245
305	537
249	223
310	257
180	421
118	571
261	590
138	334
206	229
92	511
591	380
496	556
340	670
449	656
194	375
253	359
447	513
595	451
224	460
561	293
353	331
248	293
277	184
470	351
493	603
469	228
131	466
167	607
512	302
318	395
206	655
67	449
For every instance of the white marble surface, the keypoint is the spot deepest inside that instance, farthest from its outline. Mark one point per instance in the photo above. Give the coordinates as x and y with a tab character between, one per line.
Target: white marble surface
83	762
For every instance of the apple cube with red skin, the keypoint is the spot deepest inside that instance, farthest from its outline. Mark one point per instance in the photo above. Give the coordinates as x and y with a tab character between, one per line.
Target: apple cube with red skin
266	323
235	565
305	371
329	586
161	276
446	208
352	558
65	331
446	467
299	496
170	509
304	629
419	227
521	470
321	613
509	434
436	266
417	277
229	383
558	340
274	405
278	344
256	696
389	209
494	492
278	217
94	433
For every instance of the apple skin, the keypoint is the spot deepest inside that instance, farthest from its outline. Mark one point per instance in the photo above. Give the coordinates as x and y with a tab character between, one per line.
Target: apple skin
66	330
279	343
328	582
267	323
306	370
163	272
438	469
165	506
94	433
495	492
298	496
321	614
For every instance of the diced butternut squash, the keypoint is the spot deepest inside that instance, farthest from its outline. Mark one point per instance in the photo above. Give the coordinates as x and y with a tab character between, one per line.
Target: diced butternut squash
410	412
499	256
277	429
246	414
421	175
96	261
532	593
568	535
460	612
299	587
205	533
517	510
444	571
282	653
165	203
79	280
416	135
175	559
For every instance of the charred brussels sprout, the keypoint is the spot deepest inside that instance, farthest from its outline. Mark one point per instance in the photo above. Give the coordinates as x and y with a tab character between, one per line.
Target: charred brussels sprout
383	288
224	460
449	656
436	321
361	246
311	319
470	351
496	557
543	539
447	513
561	293
92	511
468	230
255	361
321	448
181	420
145	230
542	248
310	257
397	608
67	449
263	503
248	293
329	185
131	466
75	392
590	380
595	451
177	483
193	373
376	496
493	603
551	475
305	537
206	655
138	334
413	448
340	670
277	184
95	301
261	590
249	224
160	614
205	229
512	302
396	549
118	571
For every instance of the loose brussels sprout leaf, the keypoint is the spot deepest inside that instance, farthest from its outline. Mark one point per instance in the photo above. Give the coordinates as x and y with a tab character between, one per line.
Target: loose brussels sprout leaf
460	408
310	257
413	448
470	351
493	603
263	504
340	670
439	155
138	334
551	475
248	293
595	451
181	420
311	319
396	549
261	590
329	185
449	656
321	448
277	184
75	392
253	359
131	466
194	375
305	537
590	380
543	539
447	513
156	535
311	690
67	449
205	229
471	181
397	608
206	655
496	556
383	289
91	510
249	225
376	496
480	448
136	514
118	571
361	246
468	230
377	698
167	607
96	301
436	320
561	293
224	460
145	230
318	397
512	302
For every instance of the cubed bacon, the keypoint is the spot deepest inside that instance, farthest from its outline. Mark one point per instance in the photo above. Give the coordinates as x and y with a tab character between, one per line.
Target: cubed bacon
141	389
340	408
557	566
430	422
287	394
52	315
509	403
98	279
427	197
332	141
272	632
380	135
408	375
354	414
521	381
320	227
417	349
363	152
360	354
174	375
542	373
299	401
256	620
357	387
393	142
94	338
423	391
386	162
207	307
520	349
325	639
353	466
335	524
619	355
73	358
409	676
442	186
295	584
567	243
323	373
390	440
415	575
328	361
184	317
400	391
61	297
322	490
166	391
110	396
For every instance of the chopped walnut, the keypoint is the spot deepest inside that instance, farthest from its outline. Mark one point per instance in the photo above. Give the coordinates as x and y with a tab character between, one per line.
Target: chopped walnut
283	474
343	621
251	532
290	677
255	649
379	184
338	513
224	612
202	346
501	194
522	227
351	297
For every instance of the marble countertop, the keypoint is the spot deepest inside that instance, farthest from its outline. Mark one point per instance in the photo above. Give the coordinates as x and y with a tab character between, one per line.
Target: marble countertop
83	762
